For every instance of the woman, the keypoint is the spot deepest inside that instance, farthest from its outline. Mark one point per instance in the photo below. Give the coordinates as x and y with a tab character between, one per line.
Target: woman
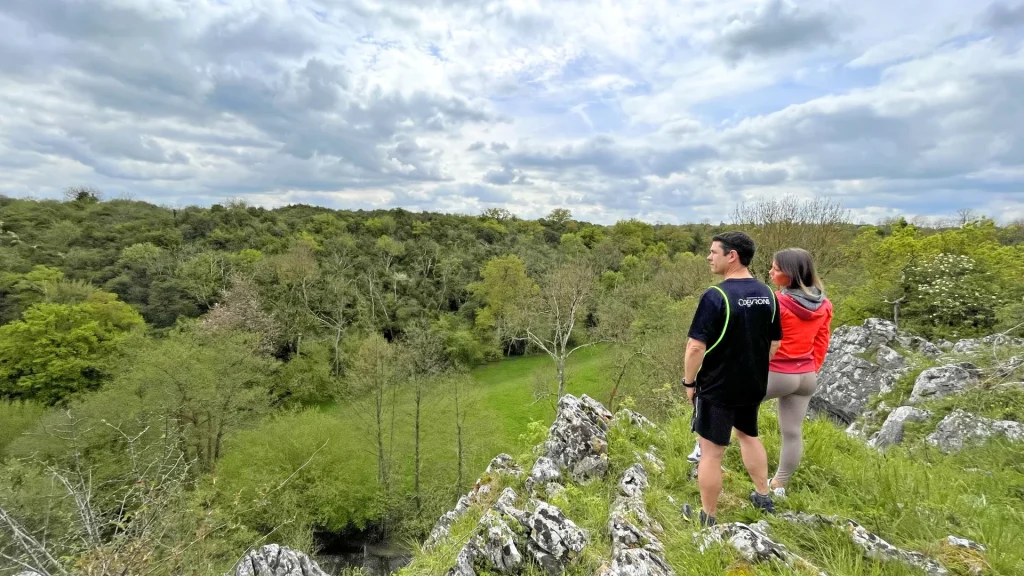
792	373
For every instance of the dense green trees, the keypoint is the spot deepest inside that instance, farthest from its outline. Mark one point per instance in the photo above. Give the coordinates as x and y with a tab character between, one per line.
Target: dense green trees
58	349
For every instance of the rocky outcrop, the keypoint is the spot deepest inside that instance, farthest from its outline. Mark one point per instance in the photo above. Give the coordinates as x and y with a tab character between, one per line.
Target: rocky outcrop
274	560
942	381
754	544
872	545
862	362
554	540
974	345
874	332
636	549
845	385
544	472
919	345
577	440
960	429
508	537
847	381
505	536
889	359
501	465
497	544
891	432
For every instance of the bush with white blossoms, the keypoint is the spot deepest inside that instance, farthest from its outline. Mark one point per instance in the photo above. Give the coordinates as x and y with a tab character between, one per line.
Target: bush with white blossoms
951	291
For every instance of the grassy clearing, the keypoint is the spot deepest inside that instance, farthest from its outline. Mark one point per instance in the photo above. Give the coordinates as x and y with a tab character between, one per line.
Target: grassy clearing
339	486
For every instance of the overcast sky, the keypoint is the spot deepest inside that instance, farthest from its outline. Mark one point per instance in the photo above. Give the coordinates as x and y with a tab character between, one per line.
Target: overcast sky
666	111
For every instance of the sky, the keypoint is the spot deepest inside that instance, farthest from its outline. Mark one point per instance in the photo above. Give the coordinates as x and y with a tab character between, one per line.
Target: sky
664	111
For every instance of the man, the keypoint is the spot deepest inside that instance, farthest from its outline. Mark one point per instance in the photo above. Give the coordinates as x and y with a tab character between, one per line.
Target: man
734	333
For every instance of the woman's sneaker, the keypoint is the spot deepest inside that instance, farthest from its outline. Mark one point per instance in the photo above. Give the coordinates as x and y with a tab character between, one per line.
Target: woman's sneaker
779	492
762	502
694	456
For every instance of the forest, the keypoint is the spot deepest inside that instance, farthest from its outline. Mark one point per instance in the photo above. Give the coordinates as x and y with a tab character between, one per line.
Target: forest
178	385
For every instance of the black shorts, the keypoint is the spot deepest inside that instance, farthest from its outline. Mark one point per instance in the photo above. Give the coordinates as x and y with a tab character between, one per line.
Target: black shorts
715	423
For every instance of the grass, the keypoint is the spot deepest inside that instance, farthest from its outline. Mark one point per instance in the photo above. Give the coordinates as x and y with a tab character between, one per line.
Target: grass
911	496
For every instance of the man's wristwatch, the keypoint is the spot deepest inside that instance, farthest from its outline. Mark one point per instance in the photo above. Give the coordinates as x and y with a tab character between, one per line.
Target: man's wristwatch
690	385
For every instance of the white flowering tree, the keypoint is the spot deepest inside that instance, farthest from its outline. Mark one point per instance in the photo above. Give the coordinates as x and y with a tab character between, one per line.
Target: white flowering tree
952	292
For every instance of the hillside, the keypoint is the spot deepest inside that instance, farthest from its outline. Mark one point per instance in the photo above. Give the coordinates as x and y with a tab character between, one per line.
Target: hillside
602	494
934	481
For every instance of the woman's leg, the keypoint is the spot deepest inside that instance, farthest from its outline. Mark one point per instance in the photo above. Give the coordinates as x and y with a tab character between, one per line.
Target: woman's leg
792	411
780	385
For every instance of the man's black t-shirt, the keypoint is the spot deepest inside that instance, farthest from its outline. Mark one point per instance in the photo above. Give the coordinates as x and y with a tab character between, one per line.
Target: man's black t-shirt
735	368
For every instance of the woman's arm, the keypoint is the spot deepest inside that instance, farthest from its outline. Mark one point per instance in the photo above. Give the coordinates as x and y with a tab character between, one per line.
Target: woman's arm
821	340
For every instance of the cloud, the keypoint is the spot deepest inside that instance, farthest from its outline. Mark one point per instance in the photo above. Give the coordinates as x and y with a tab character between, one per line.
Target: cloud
638	110
776	26
932	118
755	176
607	156
1000	16
505	176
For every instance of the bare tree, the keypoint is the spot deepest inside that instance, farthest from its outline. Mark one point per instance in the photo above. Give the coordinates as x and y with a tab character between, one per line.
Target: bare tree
965	216
457	388
124	533
424	353
372	382
816	225
329	298
551	317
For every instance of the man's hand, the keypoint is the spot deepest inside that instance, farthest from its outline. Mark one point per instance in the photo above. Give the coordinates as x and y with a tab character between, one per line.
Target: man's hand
690	393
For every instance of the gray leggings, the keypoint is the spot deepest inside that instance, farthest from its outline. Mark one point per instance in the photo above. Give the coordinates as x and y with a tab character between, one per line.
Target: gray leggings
794	393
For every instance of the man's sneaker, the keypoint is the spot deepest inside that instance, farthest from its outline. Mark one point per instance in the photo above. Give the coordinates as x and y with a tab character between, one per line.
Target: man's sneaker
762	502
779	492
705	520
694	456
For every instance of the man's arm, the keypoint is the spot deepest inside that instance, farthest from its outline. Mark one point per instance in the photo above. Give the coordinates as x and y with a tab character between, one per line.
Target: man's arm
695	350
706	322
774	348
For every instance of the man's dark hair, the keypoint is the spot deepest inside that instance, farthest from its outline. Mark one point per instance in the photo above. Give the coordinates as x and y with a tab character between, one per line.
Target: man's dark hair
738	241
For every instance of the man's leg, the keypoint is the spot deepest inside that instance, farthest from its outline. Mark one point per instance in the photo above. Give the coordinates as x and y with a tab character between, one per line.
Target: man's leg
755	459
709	475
